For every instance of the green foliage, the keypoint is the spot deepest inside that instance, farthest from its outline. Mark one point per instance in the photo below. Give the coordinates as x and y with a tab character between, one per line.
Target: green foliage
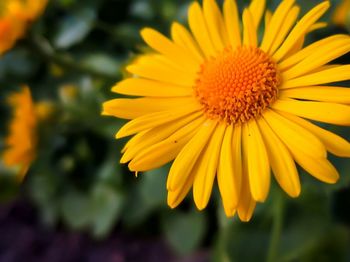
184	231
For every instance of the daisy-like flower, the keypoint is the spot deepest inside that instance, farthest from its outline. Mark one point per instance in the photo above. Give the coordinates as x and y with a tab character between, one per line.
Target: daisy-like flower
15	16
224	104
22	137
342	13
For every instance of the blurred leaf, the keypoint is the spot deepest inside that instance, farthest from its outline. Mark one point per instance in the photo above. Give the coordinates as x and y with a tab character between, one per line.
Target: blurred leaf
243	238
76	210
43	190
107	204
301	237
220	252
110	172
74	28
169	9
153	187
9	186
149	193
184	231
142	9
66	3
102	63
17	62
314	241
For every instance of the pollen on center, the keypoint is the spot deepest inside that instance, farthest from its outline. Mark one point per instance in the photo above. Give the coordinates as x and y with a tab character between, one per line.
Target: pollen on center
238	84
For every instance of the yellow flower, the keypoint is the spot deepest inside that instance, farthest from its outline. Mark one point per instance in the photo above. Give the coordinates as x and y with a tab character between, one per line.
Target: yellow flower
10	30
26	10
342	13
44	110
22	140
68	93
15	15
224	104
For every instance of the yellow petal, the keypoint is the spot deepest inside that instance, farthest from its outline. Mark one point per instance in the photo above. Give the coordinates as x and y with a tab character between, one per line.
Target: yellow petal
155	70
332	113
300	42
250	37
288	23
132	108
291	133
281	161
184	162
312	161
215	24
158	60
296	47
317	26
205	168
145	87
159	154
229	173
331	75
166	47
301	29
331	94
143	140
183	38
258	162
268	16
246	203
132	141
257	8
333	143
199	29
277	20
175	197
329	52
232	22
307	51
155	119
320	168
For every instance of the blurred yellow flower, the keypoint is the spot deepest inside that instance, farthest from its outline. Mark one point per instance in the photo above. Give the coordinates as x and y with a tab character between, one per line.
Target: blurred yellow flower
68	93
44	110
341	13
228	107
15	16
22	137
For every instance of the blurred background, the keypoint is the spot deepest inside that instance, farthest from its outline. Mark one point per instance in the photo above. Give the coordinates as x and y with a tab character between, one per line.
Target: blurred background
77	203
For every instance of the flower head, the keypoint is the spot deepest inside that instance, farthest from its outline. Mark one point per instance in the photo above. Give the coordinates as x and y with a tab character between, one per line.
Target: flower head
15	16
227	106
22	139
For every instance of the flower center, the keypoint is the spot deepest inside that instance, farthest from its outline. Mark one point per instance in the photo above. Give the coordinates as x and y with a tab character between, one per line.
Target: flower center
237	85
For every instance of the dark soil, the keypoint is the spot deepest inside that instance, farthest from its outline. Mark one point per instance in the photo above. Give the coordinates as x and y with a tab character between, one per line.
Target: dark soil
23	238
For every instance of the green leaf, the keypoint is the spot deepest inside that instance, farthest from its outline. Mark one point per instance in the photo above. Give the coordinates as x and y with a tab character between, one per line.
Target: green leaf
76	210
299	238
101	63
43	189
184	231
148	194
74	28
142	9
153	187
9	187
107	204
248	241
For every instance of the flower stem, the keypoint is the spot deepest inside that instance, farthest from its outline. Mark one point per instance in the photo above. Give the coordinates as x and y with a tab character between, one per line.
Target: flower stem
43	47
276	231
